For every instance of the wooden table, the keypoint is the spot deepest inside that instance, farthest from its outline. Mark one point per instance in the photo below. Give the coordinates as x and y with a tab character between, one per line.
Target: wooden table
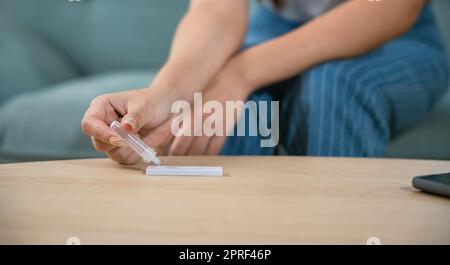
260	200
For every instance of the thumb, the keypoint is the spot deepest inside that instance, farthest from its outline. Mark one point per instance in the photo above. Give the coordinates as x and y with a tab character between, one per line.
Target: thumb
136	118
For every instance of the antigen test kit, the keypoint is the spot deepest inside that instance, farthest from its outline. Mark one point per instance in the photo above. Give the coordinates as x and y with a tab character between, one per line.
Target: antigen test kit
148	155
143	150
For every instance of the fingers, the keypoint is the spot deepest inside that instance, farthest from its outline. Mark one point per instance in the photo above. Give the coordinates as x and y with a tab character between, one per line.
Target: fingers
101	146
215	145
180	145
96	120
189	145
97	128
137	116
123	155
199	145
182	141
159	138
130	124
114	142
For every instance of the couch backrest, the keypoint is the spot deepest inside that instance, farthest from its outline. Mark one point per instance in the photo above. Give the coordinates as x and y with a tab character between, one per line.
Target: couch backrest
102	35
442	11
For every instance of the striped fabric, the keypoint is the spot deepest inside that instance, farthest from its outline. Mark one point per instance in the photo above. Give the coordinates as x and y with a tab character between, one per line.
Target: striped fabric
351	107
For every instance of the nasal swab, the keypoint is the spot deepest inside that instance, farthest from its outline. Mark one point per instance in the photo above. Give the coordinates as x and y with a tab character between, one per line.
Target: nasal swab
147	153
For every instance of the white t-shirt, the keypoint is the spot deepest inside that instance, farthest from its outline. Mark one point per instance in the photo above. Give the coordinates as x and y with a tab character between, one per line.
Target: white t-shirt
303	10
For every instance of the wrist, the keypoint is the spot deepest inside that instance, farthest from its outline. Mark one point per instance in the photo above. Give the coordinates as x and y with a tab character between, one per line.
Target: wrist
163	90
240	68
237	68
176	86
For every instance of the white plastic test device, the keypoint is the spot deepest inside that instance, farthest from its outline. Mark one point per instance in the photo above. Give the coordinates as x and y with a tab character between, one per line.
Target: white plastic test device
184	171
148	155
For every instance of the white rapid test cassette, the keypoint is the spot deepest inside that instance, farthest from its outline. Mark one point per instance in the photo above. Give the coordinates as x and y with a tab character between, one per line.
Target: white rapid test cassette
148	155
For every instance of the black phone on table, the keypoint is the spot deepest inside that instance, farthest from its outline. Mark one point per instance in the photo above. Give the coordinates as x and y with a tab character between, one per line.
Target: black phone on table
438	184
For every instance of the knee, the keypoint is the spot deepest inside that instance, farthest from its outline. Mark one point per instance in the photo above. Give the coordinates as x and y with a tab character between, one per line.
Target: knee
338	99
335	84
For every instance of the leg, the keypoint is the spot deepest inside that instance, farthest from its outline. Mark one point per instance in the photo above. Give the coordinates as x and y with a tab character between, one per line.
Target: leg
353	107
247	144
264	25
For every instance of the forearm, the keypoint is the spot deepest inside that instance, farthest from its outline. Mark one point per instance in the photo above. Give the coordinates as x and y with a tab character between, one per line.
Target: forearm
349	30
207	36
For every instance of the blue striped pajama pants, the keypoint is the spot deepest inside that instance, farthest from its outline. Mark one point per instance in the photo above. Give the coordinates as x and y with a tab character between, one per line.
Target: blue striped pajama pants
351	107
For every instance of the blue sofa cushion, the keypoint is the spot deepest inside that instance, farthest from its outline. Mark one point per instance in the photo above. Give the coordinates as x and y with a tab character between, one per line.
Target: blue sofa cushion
429	139
28	62
46	124
104	35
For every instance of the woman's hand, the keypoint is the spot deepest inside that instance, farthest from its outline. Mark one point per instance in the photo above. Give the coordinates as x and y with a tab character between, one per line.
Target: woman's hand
142	111
228	85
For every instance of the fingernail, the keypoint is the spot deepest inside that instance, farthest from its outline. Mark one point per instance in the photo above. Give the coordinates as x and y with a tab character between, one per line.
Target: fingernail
131	122
117	141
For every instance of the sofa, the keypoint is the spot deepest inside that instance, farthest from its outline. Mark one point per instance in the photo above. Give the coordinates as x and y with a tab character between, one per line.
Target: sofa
57	55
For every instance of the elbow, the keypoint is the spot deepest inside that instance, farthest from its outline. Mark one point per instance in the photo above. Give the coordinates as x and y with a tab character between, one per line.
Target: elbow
229	11
395	25
232	15
405	24
407	18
